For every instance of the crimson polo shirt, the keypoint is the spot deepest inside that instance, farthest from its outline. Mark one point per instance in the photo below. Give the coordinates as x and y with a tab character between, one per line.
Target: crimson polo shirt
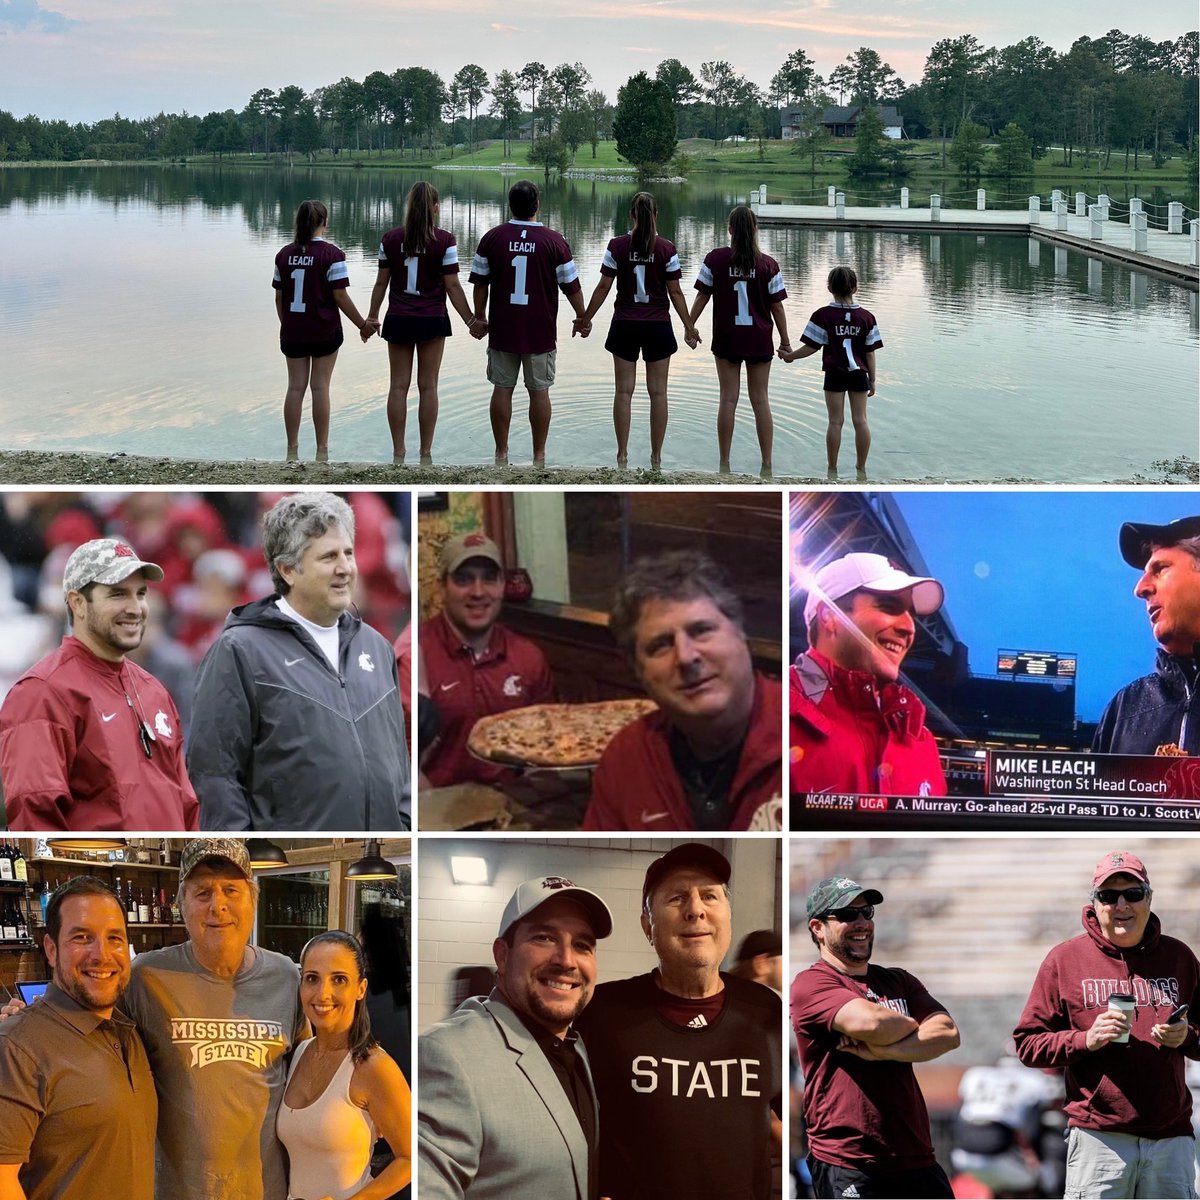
511	673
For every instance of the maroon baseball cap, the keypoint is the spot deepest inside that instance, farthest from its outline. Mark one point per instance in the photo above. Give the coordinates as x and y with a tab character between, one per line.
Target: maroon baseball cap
1119	862
689	854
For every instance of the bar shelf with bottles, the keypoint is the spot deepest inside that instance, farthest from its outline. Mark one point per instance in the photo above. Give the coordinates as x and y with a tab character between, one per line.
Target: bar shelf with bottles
16	915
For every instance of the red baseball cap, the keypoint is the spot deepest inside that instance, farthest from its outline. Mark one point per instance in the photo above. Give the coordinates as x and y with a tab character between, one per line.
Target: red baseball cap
1119	862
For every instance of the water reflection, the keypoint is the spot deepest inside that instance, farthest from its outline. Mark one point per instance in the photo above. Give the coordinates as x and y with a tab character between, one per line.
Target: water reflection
139	316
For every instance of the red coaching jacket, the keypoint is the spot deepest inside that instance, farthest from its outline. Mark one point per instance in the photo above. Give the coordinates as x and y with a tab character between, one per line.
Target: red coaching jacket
70	754
636	785
850	735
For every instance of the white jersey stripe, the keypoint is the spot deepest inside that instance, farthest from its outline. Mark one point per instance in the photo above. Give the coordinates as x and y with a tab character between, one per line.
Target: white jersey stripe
337	270
566	272
673	264
450	258
776	284
814	333
609	261
705	277
480	266
874	337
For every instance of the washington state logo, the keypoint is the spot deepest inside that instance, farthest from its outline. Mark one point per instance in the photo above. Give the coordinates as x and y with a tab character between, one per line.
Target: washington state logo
255	1043
162	724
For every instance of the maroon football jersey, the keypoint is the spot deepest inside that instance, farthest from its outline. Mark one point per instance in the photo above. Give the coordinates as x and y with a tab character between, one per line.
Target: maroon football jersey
641	282
742	325
418	284
844	332
307	277
524	265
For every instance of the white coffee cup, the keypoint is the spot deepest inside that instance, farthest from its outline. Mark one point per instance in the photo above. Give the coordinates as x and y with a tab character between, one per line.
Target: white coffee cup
1122	1002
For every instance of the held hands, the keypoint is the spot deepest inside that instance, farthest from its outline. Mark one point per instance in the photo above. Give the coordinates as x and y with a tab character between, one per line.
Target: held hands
370	327
1108	1025
692	337
785	352
581	326
478	328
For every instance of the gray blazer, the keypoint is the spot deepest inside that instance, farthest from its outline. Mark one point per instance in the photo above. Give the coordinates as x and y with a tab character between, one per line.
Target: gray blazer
493	1120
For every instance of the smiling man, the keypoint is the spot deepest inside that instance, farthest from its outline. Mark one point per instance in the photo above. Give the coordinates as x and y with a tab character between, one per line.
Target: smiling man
218	1017
687	1058
77	1100
854	726
297	722
859	1028
709	758
1128	1105
506	1105
88	739
1160	713
474	666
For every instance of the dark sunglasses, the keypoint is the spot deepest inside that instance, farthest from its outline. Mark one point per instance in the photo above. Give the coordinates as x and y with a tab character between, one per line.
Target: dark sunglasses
1111	895
849	915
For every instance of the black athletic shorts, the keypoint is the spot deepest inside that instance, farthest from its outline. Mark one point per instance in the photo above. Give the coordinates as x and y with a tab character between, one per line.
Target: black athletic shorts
737	360
842	380
311	349
655	340
923	1183
408	331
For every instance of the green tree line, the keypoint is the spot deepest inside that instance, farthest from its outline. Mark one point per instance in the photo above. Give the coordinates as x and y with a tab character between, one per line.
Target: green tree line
1117	94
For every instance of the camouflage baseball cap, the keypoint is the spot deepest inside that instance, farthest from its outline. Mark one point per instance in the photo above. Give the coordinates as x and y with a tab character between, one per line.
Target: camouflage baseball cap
466	546
232	850
105	560
836	892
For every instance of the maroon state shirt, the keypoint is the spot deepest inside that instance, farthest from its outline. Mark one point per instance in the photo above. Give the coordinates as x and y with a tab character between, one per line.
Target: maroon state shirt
524	265
845	332
869	1116
308	276
463	686
641	280
418	283
742	324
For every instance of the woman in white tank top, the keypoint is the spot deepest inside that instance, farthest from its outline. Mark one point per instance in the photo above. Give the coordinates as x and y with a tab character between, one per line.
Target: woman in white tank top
343	1089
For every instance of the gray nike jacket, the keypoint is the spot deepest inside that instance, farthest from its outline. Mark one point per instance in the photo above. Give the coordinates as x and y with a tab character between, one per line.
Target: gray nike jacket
280	741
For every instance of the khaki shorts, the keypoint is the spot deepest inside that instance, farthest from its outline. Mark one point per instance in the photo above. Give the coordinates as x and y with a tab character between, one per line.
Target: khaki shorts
538	369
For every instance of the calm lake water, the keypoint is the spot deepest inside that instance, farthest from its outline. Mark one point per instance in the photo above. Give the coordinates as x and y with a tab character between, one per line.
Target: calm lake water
138	315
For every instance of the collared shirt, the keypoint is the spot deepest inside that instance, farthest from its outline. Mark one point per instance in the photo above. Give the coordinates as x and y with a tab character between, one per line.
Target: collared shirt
464	686
77	1102
707	783
572	1074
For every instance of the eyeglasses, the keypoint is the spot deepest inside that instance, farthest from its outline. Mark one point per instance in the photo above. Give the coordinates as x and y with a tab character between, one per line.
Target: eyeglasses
850	914
1111	895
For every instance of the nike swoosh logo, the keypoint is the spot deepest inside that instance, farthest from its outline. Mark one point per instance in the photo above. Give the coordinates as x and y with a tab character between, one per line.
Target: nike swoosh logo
648	817
106	717
291	662
447	686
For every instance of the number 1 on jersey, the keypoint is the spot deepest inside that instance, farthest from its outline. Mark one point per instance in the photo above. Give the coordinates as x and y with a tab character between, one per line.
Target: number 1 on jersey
297	304
410	282
743	303
640	295
520	266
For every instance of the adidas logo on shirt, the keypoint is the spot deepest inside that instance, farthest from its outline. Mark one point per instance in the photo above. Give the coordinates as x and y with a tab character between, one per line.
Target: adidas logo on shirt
851	1191
697	1022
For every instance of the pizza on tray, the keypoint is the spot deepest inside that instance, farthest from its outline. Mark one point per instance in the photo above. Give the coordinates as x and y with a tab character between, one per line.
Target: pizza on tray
554	735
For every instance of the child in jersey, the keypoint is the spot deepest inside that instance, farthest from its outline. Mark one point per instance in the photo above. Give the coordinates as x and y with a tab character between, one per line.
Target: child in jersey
747	292
847	336
420	261
310	295
647	272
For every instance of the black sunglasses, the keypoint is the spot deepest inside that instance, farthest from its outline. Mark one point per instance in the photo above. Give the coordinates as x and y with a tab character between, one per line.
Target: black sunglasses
850	914
1111	895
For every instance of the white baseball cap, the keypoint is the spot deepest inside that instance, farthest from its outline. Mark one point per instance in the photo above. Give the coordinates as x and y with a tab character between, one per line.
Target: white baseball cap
535	892
873	573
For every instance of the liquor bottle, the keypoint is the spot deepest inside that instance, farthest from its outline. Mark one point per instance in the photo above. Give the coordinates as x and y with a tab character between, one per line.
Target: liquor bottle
6	864
22	929
8	922
164	909
131	908
20	867
143	907
44	899
176	916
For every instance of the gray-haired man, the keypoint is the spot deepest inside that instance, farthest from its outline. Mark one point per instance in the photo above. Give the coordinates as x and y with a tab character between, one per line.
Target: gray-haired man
297	721
1160	713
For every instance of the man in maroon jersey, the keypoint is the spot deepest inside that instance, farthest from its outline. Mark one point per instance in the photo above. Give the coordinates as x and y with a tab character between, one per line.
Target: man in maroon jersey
522	265
859	1028
473	665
